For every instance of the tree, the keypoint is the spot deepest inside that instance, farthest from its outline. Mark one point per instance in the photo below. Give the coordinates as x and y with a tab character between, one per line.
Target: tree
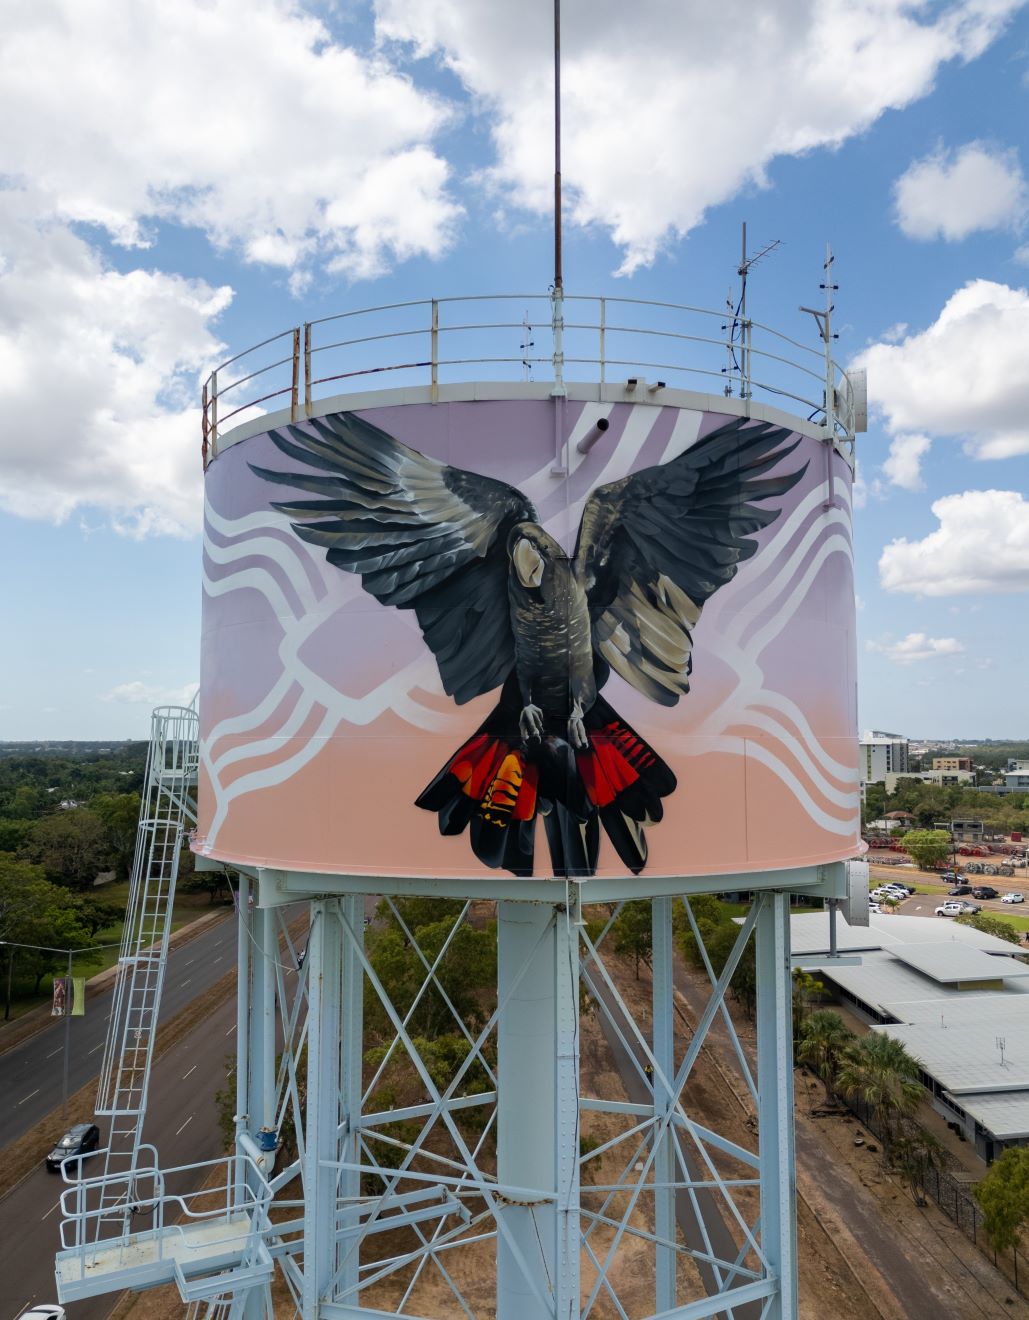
119	813
805	988
825	1043
71	846
990	925
883	1076
927	847
633	932
33	911
1004	1197
914	1153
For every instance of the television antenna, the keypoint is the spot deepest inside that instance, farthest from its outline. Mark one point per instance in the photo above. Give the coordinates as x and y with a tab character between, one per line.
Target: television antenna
741	326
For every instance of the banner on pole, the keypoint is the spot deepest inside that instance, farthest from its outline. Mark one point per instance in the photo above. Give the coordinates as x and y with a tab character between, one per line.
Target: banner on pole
60	1001
78	996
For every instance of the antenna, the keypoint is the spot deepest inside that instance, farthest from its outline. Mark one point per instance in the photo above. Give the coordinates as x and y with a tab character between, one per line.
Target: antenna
558	274
740	322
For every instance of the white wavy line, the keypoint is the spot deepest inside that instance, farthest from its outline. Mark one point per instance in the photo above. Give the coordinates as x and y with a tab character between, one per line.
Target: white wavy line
266	546
680	441
739	746
838	797
759	639
847	774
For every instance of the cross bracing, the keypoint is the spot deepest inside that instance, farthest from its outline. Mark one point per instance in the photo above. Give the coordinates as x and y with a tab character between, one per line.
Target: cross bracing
443	1150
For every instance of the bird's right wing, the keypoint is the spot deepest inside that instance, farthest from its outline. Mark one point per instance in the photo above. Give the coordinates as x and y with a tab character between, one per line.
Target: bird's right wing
422	535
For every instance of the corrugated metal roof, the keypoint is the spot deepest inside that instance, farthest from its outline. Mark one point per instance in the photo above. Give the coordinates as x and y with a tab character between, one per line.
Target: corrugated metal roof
966	1059
950	961
1004	1114
809	933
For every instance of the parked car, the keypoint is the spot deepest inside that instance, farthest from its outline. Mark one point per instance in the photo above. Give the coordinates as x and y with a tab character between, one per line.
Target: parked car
77	1142
984	891
905	890
956	907
873	907
970	908
43	1311
959	889
1013	897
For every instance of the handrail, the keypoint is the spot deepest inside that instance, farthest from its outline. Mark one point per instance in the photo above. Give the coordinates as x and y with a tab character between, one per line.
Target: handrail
598	343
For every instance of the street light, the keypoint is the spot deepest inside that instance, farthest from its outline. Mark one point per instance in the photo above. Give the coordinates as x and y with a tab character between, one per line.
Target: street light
48	948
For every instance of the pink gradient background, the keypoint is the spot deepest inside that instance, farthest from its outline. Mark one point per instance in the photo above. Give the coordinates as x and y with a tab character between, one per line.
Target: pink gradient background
773	649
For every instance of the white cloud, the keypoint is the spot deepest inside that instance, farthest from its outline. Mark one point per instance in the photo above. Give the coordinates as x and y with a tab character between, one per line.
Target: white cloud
952	194
98	381
967	375
903	466
670	109
980	546
916	647
1022	254
240	117
138	692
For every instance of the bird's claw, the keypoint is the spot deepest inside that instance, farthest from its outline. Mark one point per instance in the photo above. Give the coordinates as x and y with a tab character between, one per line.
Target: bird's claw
530	722
577	733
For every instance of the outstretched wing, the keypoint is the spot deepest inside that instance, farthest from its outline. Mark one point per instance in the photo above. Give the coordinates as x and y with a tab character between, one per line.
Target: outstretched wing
654	546
422	535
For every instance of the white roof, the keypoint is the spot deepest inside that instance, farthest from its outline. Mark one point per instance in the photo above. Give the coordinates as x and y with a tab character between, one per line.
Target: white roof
949	962
891	987
809	933
1004	1113
966	1059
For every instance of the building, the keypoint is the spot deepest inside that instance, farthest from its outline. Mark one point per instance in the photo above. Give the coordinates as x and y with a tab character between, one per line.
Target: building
955	997
882	754
1016	776
952	763
945	778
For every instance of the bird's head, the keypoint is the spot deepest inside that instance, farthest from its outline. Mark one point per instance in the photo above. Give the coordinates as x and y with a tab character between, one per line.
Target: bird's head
531	549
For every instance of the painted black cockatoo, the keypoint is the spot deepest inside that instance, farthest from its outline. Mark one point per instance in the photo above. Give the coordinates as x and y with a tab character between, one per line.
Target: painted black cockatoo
501	605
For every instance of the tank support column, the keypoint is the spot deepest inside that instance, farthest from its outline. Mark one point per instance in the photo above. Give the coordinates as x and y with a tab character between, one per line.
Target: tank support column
775	1099
538	1112
321	1153
352	1089
663	1072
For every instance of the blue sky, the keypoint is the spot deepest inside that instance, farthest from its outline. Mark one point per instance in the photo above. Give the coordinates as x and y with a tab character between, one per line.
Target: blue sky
176	187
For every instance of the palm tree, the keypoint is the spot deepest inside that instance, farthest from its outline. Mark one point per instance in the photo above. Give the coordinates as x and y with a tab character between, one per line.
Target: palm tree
882	1075
825	1041
915	1152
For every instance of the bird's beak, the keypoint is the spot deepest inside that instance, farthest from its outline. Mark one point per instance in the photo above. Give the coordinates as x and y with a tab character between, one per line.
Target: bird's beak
528	562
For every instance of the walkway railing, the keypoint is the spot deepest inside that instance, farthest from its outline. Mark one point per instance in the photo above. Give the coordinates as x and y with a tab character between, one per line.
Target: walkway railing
435	341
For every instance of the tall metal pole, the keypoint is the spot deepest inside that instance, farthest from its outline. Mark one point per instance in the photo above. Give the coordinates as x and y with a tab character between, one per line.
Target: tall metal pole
558	275
67	1033
663	1072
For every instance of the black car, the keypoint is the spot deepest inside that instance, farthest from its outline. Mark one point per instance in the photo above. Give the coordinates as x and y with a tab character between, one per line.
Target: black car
82	1139
960	889
984	891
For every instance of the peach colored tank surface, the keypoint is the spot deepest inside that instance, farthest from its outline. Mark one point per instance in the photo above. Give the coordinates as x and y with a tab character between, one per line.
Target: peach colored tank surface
435	658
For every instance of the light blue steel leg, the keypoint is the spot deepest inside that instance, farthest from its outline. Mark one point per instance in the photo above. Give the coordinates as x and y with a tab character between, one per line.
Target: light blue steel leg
775	1099
321	1152
566	1161
351	1093
526	1104
264	953
664	1160
244	948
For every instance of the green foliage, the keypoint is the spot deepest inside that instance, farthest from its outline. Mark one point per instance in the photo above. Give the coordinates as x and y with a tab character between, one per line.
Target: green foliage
719	933
35	912
824	1043
71	846
32	783
915	1152
633	933
1004	1197
119	814
806	987
927	847
881	1074
990	925
14	834
468	968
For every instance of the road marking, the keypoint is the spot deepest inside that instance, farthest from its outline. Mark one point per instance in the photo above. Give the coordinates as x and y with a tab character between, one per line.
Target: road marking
192	1070
30	1095
97	1047
228	1033
219	958
53	1052
190	963
186	1124
51	1210
183	984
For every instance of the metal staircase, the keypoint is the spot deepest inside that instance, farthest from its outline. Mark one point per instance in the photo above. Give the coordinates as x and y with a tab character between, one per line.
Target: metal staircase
167	809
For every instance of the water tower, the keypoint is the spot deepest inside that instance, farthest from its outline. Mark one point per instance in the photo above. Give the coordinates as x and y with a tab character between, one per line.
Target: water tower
542	648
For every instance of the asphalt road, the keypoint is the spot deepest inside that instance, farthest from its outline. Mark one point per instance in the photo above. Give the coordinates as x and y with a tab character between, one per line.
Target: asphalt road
32	1073
181	1122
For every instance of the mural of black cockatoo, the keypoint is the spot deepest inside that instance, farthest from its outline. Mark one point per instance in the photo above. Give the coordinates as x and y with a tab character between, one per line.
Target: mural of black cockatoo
501	605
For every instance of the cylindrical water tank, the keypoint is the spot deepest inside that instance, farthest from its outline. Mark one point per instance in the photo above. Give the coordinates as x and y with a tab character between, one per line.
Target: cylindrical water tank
450	639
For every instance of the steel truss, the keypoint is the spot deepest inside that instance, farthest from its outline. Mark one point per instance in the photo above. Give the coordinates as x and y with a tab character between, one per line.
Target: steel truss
478	1169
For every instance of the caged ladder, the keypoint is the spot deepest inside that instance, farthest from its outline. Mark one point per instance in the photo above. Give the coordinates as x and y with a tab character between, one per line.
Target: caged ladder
167	809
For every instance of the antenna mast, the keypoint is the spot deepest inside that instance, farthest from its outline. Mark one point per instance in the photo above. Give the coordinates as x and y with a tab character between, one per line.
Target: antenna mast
558	274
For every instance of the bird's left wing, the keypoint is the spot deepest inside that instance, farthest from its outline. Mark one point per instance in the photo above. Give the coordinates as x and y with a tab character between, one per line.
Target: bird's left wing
422	535
656	545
